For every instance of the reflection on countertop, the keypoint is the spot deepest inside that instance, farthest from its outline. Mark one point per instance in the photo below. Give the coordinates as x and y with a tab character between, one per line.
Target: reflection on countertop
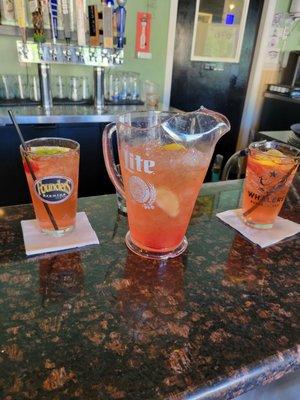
103	323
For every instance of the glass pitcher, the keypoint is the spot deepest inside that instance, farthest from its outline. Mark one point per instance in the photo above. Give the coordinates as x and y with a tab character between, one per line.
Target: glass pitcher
164	158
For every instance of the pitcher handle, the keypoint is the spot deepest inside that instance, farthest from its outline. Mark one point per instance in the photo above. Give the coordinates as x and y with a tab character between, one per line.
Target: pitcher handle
109	159
236	157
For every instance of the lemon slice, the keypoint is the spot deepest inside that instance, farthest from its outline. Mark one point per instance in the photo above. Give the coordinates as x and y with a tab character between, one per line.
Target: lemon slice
49	150
274	153
167	201
264	160
270	158
173	147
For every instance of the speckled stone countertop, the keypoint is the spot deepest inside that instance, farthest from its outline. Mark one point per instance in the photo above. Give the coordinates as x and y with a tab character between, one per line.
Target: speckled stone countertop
102	323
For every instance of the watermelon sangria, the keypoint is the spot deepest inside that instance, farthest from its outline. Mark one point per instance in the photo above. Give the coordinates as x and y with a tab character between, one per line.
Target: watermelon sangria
271	167
164	159
51	167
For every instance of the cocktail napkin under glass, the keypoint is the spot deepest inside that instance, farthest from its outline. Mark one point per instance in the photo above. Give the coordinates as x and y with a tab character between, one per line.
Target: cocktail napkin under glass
37	242
281	229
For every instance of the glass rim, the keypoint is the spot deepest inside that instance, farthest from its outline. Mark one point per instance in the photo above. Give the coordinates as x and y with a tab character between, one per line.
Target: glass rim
170	115
45	139
142	115
274	144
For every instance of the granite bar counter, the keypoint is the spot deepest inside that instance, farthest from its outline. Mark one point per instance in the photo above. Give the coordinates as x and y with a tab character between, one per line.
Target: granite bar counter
102	323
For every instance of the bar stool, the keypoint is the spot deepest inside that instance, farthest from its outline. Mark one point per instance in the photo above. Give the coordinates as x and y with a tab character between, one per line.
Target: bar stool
235	161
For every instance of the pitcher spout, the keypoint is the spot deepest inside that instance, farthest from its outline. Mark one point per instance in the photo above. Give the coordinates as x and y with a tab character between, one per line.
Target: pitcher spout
222	124
202	125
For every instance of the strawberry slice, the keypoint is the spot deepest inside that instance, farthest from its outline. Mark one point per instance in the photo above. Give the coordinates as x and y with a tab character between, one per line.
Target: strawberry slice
34	166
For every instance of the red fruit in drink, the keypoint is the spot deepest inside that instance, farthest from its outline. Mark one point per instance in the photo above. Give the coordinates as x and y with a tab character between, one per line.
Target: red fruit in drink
34	166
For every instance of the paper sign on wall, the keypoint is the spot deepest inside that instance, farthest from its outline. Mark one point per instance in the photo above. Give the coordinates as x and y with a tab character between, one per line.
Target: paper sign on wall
143	32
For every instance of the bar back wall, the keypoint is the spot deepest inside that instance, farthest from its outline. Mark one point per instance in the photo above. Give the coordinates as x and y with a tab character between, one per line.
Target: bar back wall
153	69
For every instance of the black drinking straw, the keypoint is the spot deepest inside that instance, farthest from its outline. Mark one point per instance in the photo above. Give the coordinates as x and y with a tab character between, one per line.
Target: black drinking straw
25	148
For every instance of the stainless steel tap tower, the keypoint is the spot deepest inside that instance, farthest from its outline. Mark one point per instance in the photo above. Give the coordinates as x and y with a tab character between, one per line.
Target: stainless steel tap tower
45	86
45	54
98	87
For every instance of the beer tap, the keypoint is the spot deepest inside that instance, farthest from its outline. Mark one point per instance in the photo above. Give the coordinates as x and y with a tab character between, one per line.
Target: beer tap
23	52
92	54
120	13
66	19
67	53
35	7
40	51
79	54
53	53
53	19
20	11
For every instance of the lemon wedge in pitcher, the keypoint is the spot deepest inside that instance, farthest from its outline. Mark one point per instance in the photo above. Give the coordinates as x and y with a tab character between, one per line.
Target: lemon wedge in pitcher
173	147
167	201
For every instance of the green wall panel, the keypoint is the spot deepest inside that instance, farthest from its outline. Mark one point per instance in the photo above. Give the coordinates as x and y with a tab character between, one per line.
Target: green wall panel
153	69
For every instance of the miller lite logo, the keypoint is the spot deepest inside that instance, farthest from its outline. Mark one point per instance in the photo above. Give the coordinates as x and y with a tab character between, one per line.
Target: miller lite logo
134	162
141	191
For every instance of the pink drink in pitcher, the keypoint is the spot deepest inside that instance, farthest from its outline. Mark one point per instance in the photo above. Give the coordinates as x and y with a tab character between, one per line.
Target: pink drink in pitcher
164	158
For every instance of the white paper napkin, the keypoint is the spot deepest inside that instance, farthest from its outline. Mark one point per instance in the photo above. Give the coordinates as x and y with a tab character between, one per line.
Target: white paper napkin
281	229
37	242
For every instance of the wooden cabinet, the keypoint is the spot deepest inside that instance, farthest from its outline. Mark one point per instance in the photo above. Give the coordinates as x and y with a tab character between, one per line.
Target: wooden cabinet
279	113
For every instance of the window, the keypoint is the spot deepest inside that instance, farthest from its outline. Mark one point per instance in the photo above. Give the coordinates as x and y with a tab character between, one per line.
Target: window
218	30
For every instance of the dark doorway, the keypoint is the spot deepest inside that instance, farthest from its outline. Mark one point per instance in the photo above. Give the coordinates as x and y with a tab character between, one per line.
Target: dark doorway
222	90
